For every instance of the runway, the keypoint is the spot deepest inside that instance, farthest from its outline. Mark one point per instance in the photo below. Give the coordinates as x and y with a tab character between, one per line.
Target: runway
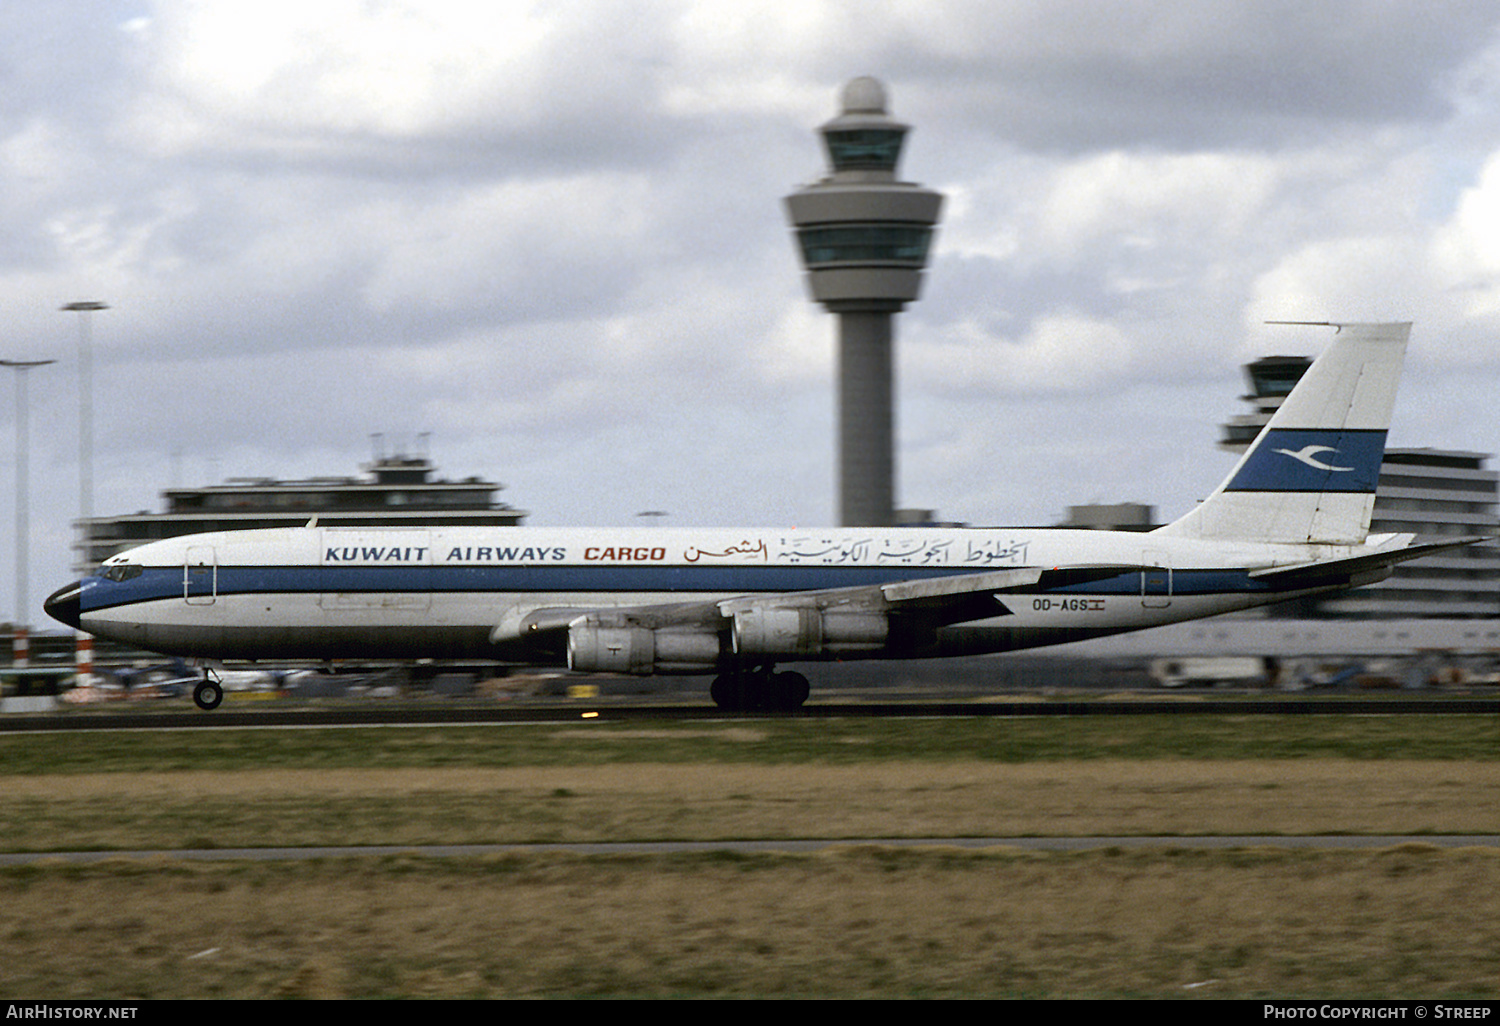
351	713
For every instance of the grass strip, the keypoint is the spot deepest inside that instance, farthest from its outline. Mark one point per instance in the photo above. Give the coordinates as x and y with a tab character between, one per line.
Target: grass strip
872	922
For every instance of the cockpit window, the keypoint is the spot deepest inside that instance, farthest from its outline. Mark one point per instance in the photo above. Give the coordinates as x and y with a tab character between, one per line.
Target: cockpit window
122	571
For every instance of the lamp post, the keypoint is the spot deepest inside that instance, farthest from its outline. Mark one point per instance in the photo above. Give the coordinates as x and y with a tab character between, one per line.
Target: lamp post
21	647
85	309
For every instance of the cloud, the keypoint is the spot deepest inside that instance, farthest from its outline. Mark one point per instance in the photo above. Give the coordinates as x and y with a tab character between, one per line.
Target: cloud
447	85
1365	277
1466	250
522	249
1061	353
1075	76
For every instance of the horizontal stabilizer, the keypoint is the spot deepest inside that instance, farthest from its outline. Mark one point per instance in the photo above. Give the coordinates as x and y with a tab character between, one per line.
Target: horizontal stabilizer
1362	569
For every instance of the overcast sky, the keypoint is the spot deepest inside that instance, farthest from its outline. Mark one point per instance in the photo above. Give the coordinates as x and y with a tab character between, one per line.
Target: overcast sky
549	236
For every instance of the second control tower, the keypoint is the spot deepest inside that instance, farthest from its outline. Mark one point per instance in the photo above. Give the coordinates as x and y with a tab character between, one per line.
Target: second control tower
864	238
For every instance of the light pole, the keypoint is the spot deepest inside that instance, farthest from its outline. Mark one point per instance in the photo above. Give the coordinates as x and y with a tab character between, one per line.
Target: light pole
85	309
21	647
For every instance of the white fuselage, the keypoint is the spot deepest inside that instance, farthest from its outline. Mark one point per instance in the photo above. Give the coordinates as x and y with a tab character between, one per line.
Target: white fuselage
467	593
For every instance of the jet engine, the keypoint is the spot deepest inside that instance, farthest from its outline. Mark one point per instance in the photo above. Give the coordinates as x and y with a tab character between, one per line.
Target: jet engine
594	648
757	635
807	632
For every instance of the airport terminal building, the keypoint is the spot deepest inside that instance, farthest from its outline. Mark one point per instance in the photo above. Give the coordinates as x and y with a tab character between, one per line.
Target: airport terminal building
1436	494
394	491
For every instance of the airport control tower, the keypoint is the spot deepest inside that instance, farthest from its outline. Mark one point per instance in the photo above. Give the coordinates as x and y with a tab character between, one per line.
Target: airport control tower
864	238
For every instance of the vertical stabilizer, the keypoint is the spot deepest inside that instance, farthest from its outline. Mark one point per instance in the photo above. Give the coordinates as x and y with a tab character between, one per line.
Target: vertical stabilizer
1310	474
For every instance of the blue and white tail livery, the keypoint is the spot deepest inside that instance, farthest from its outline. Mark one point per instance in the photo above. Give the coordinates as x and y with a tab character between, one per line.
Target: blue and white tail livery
1290	520
1311	474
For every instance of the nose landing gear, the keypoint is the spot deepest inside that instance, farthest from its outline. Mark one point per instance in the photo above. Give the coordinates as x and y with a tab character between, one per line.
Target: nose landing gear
209	692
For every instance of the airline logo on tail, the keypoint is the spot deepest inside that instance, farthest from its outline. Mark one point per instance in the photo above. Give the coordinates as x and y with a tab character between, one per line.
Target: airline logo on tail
1309	455
1312	460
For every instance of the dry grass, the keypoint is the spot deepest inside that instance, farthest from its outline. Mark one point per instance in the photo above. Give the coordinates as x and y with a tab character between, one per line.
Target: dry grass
643	801
863	922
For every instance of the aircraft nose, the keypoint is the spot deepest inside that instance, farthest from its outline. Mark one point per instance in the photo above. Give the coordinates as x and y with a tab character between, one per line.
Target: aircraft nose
62	604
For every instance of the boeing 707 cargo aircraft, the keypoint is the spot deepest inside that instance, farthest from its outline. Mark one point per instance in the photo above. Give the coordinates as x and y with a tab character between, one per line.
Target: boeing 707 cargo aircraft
1291	519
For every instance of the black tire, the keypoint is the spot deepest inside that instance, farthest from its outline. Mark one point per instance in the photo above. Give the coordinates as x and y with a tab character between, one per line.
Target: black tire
790	690
759	692
727	691
207	695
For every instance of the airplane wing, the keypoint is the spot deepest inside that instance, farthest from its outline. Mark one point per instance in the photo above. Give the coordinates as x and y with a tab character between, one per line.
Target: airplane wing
864	611
867	617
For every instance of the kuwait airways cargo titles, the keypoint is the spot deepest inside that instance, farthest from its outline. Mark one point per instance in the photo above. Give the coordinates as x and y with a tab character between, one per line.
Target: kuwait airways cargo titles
788	549
1291	520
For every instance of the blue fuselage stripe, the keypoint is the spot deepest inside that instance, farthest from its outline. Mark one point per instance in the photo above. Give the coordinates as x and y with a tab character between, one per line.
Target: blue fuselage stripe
158	583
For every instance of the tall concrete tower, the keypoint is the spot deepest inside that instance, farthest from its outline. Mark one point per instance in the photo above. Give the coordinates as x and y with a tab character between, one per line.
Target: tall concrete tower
864	238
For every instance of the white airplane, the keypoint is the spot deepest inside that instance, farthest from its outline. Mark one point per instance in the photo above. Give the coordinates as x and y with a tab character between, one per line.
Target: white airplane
1290	520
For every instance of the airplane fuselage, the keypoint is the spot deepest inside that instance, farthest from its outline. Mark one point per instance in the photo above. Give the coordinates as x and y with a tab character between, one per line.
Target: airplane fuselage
493	593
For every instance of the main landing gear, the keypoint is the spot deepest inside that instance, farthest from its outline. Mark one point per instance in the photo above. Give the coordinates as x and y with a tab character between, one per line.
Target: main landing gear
209	692
759	690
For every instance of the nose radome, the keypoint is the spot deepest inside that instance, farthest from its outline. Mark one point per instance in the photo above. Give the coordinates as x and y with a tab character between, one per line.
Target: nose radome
62	605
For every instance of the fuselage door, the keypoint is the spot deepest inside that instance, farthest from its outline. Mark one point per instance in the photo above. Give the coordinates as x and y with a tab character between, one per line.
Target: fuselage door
200	575
1156	580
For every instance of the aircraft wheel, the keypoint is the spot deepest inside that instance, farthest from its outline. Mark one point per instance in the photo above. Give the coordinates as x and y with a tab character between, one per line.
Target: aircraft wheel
207	695
728	692
789	690
759	692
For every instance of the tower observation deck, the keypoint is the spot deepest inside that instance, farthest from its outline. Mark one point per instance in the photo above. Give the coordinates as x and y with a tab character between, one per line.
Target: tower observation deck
864	239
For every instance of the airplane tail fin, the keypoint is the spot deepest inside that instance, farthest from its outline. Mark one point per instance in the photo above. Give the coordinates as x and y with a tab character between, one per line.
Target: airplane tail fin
1310	474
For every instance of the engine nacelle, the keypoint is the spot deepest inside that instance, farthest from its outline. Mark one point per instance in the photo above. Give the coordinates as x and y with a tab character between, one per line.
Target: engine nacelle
639	650
808	633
